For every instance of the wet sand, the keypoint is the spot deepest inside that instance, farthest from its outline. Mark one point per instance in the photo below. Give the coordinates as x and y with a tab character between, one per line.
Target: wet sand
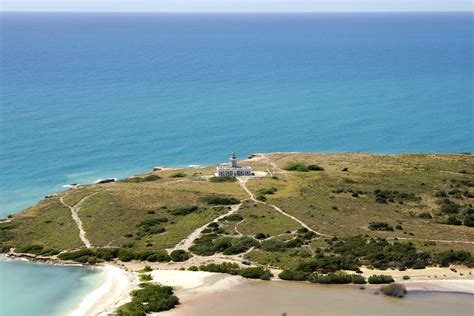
278	298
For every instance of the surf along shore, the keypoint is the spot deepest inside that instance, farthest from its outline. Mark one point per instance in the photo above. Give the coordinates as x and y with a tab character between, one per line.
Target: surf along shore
122	277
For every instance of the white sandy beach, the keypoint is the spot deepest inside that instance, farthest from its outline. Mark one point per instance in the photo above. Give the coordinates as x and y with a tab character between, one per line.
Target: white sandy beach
110	295
189	286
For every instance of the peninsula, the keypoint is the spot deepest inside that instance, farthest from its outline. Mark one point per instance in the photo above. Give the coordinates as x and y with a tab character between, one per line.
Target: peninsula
323	218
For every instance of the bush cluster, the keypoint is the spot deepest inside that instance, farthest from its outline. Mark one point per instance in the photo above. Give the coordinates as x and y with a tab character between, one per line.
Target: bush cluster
446	258
148	299
151	226
380	279
395	290
152	177
185	210
179	255
385	196
302	167
270	190
234	269
380	226
210	244
256	273
36	250
220	200
378	252
317	277
233	218
178	174
223	179
95	255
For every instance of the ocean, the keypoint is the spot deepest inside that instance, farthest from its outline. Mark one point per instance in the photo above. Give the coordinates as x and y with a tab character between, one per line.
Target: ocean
92	95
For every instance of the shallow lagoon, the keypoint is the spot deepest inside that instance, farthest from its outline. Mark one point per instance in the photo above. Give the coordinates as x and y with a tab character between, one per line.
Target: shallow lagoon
293	298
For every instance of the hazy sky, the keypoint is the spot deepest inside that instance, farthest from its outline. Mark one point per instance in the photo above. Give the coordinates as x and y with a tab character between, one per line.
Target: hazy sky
236	5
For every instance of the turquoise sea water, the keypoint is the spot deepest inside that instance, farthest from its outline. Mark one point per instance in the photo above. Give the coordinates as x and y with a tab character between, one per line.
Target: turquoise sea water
39	289
87	96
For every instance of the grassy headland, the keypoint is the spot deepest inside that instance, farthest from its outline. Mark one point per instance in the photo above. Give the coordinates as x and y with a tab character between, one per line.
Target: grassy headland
324	213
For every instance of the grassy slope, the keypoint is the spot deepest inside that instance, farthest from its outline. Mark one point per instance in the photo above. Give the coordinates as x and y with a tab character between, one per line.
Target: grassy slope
115	212
310	195
49	223
260	218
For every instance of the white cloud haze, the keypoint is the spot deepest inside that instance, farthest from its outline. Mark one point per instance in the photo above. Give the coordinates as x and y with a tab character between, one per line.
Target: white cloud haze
235	5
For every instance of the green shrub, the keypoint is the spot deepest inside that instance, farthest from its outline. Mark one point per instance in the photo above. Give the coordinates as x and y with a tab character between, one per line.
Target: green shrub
296	166
126	255
425	215
145	277
261	236
469	220
178	174
270	190
330	263
158	256
380	226
36	250
150	298
293	275
358	279
234	218
256	273
181	211
193	268
146	269
453	220
395	290
152	177
225	267
220	200
448	207
406	277
418	265
380	279
223	179
261	197
330	278
385	196
453	257
273	245
179	255
315	168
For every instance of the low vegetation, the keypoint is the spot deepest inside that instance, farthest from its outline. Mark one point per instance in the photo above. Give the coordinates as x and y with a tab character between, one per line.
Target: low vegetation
368	210
234	269
380	279
152	177
148	299
223	179
395	290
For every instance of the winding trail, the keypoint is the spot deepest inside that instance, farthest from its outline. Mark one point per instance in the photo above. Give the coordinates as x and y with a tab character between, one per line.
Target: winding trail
75	216
188	241
243	184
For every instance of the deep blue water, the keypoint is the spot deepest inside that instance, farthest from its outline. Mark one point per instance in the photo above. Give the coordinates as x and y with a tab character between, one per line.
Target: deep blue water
86	96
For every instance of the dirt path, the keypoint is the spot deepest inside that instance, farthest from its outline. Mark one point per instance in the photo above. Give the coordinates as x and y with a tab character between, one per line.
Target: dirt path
188	241
75	216
243	184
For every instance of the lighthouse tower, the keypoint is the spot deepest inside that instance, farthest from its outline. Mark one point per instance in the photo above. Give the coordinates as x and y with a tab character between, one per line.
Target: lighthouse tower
234	170
233	160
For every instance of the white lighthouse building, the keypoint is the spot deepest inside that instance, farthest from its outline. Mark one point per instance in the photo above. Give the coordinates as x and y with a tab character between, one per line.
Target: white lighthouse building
234	170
